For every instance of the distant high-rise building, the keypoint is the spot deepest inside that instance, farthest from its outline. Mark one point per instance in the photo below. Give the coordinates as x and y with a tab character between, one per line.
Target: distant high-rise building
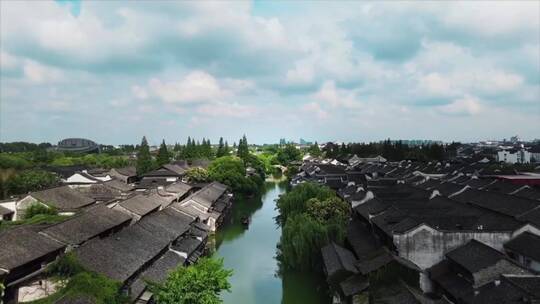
304	142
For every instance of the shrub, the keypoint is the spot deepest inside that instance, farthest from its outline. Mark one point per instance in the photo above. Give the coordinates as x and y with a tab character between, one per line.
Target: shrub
37	208
66	266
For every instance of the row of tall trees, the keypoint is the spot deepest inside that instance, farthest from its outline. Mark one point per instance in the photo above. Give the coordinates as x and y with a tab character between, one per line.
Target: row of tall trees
392	150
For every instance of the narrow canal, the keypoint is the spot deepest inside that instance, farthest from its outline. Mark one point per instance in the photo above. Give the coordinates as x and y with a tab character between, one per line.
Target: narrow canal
250	253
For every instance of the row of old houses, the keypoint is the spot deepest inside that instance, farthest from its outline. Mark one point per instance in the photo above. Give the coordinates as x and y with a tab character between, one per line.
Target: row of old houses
439	232
131	229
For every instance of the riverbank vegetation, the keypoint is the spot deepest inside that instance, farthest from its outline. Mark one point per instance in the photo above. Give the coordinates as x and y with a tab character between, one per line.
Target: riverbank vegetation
200	283
311	216
231	171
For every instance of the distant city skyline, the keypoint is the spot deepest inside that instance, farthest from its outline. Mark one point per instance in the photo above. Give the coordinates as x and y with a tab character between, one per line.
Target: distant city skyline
323	71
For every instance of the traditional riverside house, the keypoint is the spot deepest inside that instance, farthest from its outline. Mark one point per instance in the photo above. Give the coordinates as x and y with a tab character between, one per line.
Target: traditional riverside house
208	204
470	267
157	273
323	173
98	221
422	231
361	240
525	248
342	274
23	254
65	199
509	289
164	175
139	205
180	190
124	255
503	203
128	175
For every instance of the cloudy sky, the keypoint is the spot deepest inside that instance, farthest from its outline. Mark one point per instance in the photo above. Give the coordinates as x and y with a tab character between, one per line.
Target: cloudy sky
346	71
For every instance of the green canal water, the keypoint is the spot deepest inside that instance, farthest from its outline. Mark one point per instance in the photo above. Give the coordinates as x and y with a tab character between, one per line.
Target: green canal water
250	252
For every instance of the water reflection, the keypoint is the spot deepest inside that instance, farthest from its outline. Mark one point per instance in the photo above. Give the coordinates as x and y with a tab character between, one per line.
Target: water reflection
250	252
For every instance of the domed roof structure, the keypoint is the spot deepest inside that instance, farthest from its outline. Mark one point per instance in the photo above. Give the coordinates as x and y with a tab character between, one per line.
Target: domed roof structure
77	145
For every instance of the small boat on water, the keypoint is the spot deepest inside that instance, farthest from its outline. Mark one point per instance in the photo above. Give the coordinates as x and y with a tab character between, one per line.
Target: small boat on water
246	220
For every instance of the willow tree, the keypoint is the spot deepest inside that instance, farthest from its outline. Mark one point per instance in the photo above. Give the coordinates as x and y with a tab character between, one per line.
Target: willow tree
311	216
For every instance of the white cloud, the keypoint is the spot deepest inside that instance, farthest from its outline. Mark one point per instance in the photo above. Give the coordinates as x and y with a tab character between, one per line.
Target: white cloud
38	73
494	17
336	97
467	105
195	87
314	108
302	73
228	110
139	92
7	61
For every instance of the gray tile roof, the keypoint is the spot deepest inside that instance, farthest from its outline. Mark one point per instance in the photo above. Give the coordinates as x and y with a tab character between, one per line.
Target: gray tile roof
87	225
63	198
123	254
475	256
502	203
156	273
23	245
141	204
338	261
526	244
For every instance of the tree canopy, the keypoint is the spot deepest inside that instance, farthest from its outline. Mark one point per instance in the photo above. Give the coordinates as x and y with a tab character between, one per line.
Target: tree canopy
144	159
197	175
200	283
230	170
288	154
311	216
30	180
163	156
243	148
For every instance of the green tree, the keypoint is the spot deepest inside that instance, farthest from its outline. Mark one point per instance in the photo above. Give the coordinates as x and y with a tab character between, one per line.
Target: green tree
144	159
311	217
14	161
163	157
295	201
221	148
227	149
197	175
288	154
243	148
200	283
228	170
31	180
314	150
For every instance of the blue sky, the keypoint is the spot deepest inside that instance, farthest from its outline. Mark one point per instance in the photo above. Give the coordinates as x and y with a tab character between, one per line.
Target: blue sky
345	71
